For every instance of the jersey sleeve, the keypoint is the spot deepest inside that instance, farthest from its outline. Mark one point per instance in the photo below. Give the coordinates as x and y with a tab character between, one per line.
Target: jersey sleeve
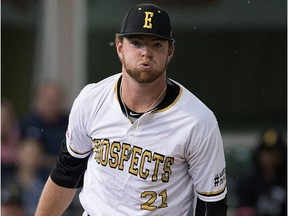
207	166
78	142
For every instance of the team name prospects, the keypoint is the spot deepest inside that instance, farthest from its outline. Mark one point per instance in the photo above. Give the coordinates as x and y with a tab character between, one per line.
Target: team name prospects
117	155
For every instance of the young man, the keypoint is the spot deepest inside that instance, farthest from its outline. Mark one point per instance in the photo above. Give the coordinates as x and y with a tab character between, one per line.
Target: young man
138	142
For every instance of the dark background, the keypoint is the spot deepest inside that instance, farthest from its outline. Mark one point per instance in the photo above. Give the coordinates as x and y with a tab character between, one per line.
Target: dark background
239	72
241	76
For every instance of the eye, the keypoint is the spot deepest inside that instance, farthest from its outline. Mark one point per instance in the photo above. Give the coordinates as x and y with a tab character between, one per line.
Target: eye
158	45
136	43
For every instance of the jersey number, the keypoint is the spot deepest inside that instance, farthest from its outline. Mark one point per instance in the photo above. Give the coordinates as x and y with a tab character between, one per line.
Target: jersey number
153	196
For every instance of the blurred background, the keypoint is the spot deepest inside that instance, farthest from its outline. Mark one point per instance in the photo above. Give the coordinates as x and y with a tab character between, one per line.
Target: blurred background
232	54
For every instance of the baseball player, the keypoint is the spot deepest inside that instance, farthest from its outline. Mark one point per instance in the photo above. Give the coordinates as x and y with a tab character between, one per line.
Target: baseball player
139	143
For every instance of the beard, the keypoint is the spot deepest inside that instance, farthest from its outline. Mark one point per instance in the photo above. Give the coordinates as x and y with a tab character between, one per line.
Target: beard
143	76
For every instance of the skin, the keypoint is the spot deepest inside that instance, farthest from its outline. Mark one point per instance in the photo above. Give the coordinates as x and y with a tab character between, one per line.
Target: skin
54	199
144	61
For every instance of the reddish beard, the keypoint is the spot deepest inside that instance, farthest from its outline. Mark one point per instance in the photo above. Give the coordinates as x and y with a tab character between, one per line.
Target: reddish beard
144	76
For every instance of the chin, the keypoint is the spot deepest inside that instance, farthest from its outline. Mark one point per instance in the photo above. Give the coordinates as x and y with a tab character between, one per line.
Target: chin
145	77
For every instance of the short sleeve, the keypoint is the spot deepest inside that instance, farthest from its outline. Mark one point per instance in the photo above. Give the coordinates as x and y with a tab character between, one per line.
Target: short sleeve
207	167
79	143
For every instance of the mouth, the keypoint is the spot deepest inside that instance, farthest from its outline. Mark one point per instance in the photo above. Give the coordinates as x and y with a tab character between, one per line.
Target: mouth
146	65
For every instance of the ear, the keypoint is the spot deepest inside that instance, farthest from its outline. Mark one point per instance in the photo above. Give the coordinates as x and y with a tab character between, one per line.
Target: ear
171	50
119	49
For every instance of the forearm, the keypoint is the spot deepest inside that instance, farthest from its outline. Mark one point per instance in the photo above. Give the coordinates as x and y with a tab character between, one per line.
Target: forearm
54	199
218	208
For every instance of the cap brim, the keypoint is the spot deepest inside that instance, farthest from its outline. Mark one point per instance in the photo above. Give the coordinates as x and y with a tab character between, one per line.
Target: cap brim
143	33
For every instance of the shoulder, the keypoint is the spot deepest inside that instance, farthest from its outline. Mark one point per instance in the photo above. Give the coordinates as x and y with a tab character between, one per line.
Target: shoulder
95	91
193	107
104	84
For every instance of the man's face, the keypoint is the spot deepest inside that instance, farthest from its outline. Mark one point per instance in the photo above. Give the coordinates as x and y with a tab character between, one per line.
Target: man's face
144	58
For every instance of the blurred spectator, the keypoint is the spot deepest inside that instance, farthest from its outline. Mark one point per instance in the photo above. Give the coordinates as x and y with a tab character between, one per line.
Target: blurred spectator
11	200
9	140
28	178
42	131
263	192
47	122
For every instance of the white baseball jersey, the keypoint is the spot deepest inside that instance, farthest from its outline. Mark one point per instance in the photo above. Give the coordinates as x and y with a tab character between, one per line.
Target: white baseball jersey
155	166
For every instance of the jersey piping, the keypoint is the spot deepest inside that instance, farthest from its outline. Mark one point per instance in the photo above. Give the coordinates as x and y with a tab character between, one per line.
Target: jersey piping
77	152
211	194
175	101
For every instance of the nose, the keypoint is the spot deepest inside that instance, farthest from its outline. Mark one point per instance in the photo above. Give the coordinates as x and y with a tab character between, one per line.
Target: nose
147	52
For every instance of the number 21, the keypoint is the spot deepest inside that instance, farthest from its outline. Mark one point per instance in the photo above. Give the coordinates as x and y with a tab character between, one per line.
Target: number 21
153	196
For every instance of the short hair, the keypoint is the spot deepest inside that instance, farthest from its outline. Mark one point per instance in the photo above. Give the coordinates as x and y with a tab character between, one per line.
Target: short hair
120	38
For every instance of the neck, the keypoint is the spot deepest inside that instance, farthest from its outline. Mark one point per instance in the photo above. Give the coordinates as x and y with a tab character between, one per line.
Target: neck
142	97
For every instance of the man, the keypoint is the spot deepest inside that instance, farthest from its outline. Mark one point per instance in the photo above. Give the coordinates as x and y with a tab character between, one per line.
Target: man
144	144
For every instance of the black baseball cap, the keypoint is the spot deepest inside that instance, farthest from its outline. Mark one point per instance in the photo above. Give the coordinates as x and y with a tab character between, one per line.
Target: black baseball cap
147	19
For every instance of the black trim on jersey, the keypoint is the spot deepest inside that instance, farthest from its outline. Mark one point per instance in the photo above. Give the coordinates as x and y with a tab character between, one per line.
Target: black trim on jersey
218	208
68	171
172	93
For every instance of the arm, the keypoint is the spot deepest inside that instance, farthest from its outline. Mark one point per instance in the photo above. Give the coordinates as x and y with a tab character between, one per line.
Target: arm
54	199
65	178
209	172
218	208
